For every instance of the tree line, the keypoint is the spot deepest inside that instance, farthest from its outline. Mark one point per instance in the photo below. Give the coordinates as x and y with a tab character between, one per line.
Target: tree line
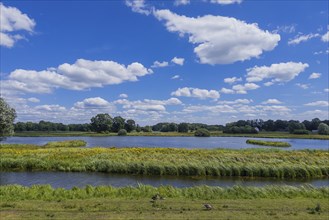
106	123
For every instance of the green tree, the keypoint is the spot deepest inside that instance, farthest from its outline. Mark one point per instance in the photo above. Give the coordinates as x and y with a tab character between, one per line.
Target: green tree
101	123
183	127
122	132
323	129
118	123
202	132
130	125
7	117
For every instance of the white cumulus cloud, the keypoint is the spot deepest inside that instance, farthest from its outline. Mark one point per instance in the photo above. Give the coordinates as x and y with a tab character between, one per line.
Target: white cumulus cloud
181	2
280	72
302	38
33	99
83	74
196	93
315	76
158	64
318	103
138	6
325	37
12	23
232	80
178	61
303	86
219	39
242	89
225	2
272	102
94	103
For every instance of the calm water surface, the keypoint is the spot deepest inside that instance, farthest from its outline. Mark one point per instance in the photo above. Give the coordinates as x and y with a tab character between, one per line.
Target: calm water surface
177	142
68	180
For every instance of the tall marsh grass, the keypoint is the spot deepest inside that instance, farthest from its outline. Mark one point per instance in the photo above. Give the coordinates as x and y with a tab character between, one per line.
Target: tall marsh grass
269	143
46	192
171	161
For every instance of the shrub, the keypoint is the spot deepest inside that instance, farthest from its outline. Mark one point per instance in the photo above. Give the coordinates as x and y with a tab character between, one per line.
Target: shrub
300	131
122	132
202	132
323	129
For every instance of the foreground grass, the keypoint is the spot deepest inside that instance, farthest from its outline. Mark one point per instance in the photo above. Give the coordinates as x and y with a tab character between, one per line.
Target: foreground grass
269	143
105	202
173	134
170	161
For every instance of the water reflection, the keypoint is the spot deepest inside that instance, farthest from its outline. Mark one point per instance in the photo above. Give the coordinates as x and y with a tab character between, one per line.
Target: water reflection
177	142
68	180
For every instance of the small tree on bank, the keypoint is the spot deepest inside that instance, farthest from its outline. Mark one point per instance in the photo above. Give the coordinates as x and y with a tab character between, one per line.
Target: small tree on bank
202	132
323	129
7	117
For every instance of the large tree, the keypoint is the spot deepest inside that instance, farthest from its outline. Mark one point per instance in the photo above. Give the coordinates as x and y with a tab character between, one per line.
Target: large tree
118	123
101	123
7	117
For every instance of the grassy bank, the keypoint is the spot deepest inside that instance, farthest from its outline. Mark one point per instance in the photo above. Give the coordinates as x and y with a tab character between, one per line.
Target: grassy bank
54	144
170	161
173	134
105	202
269	143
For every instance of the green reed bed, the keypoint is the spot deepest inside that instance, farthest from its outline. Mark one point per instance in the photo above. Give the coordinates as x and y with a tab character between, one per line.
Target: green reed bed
170	161
268	143
46	192
54	144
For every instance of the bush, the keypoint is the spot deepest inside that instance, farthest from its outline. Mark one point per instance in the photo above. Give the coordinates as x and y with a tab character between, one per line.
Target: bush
323	129
202	132
122	132
300	131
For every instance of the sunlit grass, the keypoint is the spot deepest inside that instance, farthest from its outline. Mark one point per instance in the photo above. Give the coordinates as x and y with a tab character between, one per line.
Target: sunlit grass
171	161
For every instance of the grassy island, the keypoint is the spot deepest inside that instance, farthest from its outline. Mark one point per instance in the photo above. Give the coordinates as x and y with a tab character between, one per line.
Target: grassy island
169	161
269	143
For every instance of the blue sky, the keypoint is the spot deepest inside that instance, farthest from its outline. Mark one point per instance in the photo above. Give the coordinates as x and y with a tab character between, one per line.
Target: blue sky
208	61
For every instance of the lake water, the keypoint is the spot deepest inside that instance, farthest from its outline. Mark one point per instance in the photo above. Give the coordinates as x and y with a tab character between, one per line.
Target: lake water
68	180
177	142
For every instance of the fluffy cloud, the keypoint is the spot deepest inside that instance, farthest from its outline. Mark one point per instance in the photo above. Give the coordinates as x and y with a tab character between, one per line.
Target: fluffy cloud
123	95
303	86
83	74
227	91
318	103
178	61
302	38
325	37
148	104
280	72
218	39
175	77
158	64
237	101
32	99
272	102
232	80
242	89
196	93
51	108
93	103
13	21
181	2
225	2
326	90
138	6
315	76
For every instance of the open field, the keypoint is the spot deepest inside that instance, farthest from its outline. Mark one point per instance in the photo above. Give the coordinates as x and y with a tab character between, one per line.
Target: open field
105	202
269	143
174	134
169	161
